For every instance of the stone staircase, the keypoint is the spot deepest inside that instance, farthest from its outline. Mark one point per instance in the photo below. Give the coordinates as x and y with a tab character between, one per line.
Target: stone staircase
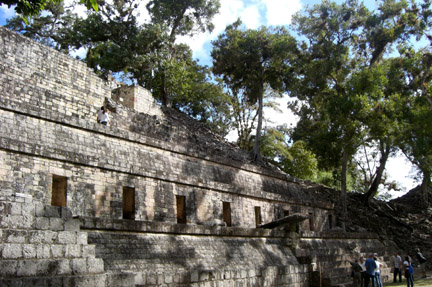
335	254
198	259
42	245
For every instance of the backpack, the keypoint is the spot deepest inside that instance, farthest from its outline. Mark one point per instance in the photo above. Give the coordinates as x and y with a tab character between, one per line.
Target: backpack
410	269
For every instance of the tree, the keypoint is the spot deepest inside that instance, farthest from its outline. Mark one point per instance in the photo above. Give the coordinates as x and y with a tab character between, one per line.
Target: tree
183	17
414	136
342	83
381	84
48	28
397	23
330	110
33	8
141	54
294	159
249	61
178	18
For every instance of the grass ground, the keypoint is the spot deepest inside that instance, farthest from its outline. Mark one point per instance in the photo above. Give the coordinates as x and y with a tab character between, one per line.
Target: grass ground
418	282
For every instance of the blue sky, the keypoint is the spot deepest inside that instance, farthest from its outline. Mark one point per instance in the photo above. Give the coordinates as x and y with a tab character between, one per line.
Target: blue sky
255	13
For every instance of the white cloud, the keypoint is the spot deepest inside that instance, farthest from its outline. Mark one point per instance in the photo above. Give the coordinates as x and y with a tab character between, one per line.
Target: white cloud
251	17
279	12
284	116
141	13
402	171
7	12
80	53
200	43
77	8
253	14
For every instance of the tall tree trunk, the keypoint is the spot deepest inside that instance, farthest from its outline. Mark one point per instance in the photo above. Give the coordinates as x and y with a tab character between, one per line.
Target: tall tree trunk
424	189
163	90
343	192
373	189
256	151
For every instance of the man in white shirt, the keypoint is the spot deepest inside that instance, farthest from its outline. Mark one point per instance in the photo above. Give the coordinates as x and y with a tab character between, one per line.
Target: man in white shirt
104	117
397	264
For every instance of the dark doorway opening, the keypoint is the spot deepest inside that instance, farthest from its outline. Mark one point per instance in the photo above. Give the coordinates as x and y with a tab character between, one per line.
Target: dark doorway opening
181	209
258	220
311	221
59	187
227	213
128	202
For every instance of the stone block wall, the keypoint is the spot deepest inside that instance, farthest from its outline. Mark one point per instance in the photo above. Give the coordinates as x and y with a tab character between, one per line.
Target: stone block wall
196	256
40	77
138	99
48	129
53	130
331	254
42	246
92	191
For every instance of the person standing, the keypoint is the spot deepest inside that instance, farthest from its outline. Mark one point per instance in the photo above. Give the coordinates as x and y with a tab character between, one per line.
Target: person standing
363	272
408	271
370	271
356	270
378	281
104	117
422	262
397	265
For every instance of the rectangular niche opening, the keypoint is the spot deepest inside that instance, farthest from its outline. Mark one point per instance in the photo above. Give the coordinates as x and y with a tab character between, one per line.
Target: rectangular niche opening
181	209
128	202
330	221
311	221
258	220
226	213
59	186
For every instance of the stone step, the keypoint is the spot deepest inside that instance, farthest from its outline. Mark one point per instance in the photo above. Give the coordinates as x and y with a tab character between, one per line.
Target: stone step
100	280
50	267
42	237
43	251
139	265
26	206
29	222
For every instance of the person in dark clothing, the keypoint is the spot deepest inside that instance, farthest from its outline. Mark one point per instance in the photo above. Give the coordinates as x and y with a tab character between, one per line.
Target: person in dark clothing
408	271
397	266
370	271
422	262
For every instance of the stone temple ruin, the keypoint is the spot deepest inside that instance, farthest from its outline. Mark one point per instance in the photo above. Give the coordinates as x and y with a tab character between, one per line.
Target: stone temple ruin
154	199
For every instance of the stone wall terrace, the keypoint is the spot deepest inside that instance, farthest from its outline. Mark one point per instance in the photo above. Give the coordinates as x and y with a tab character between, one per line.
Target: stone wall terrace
92	191
70	96
40	77
191	255
43	246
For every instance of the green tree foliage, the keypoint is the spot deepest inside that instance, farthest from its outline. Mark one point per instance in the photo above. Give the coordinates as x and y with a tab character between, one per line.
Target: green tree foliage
347	90
244	116
48	28
142	54
294	159
249	61
178	18
184	17
303	164
330	109
414	132
27	9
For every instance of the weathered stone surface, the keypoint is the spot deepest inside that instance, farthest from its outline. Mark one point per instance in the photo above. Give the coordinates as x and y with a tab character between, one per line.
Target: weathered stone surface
48	134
